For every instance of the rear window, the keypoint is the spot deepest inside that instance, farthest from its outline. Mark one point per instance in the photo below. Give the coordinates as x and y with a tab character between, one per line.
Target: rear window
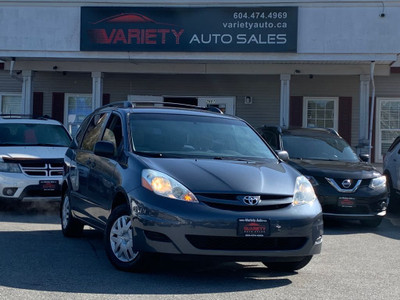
15	134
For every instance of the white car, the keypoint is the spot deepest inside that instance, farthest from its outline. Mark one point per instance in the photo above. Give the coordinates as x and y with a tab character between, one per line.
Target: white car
31	158
391	168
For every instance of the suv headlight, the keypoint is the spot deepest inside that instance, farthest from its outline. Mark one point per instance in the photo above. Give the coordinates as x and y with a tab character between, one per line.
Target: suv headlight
378	182
9	167
303	191
164	185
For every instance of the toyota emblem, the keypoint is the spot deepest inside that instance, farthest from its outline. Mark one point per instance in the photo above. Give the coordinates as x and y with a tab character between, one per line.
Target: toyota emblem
346	183
251	200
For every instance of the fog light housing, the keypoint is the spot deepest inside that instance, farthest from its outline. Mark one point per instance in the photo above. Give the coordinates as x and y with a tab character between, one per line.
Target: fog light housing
318	240
9	191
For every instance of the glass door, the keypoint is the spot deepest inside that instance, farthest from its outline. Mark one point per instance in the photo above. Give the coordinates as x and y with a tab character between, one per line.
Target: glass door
78	106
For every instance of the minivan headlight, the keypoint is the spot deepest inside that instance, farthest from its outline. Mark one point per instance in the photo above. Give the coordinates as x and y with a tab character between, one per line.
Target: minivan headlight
9	167
164	185
303	192
378	182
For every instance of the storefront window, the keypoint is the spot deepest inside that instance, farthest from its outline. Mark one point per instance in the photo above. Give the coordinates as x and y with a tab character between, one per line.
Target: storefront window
321	112
389	124
11	104
78	107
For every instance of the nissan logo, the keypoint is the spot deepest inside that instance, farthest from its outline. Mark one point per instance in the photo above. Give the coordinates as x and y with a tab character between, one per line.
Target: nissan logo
251	200
346	183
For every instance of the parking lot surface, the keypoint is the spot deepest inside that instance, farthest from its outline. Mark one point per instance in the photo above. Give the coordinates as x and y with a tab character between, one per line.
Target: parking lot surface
37	262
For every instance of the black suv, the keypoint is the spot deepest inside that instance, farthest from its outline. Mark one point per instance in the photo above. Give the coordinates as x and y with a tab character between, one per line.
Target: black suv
347	186
181	180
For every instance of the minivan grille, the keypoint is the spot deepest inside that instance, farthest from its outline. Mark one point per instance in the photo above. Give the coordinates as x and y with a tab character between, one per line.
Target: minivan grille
234	202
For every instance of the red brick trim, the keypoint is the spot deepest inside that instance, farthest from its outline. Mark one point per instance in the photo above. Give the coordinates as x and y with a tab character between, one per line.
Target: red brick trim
395	70
345	117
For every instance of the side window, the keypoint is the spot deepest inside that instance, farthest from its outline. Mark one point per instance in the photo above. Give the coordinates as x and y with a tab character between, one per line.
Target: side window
93	131
394	144
272	139
113	132
81	131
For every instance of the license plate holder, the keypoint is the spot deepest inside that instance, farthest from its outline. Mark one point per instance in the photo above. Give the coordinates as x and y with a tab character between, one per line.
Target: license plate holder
253	227
49	185
347	202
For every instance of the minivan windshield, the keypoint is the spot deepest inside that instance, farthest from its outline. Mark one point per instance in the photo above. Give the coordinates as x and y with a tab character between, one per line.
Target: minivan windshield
178	135
318	148
23	134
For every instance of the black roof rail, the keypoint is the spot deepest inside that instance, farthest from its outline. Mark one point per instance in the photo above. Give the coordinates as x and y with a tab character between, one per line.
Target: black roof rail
24	116
132	104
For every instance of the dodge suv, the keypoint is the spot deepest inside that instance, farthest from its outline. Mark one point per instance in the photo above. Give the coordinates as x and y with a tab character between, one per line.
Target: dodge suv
185	181
31	158
346	185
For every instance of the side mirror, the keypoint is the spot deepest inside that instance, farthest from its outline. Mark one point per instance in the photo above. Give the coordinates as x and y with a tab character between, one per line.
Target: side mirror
364	157
105	149
282	154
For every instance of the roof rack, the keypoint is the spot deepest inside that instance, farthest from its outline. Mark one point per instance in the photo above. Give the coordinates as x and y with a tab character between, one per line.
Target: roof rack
133	104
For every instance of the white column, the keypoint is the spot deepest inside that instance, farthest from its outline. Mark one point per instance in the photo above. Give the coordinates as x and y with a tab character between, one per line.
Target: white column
97	89
27	92
364	113
285	96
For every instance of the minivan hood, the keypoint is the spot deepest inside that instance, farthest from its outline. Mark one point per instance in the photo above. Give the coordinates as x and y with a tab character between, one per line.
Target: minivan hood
335	169
228	176
16	153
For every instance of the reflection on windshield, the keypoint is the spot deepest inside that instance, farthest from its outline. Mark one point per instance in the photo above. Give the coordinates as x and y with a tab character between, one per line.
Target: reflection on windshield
319	148
15	134
195	136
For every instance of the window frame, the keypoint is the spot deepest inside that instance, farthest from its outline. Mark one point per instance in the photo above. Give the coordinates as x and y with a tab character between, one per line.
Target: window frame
2	95
335	110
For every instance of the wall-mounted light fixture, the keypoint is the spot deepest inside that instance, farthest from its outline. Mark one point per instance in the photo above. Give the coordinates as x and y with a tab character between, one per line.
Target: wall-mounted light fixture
55	68
297	71
248	100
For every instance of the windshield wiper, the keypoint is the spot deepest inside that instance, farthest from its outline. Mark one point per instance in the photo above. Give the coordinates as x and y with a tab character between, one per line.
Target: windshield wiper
158	154
231	158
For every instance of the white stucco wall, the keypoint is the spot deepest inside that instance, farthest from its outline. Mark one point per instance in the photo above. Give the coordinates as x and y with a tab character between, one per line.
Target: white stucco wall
327	30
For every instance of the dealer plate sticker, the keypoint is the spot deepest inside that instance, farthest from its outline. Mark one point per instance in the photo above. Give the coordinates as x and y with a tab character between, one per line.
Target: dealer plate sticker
250	227
347	202
49	185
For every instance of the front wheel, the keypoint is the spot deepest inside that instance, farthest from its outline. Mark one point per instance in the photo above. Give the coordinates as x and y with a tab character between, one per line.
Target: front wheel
393	198
288	266
70	226
119	242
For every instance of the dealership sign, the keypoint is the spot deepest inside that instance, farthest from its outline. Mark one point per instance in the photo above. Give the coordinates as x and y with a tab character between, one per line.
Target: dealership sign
200	29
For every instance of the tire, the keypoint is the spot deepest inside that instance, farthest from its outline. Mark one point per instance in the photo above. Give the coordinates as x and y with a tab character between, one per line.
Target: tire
392	196
118	240
372	223
289	266
70	226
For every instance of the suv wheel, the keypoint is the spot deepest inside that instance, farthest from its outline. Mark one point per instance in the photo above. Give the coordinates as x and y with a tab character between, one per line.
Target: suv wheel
289	266
119	242
392	196
70	226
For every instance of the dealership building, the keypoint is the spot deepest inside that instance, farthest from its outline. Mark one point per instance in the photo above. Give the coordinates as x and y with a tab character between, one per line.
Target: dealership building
289	63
